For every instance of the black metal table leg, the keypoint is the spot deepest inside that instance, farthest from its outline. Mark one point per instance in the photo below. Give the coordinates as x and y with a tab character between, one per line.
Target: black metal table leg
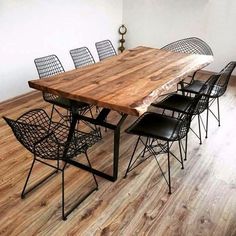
71	131
117	148
101	121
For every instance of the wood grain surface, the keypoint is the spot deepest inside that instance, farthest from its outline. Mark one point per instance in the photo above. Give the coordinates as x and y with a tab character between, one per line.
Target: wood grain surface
203	201
127	83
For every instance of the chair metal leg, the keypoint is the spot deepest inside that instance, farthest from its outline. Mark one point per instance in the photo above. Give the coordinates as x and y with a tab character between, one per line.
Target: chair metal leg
218	109
150	149
27	179
131	159
199	127
181	155
64	213
52	112
186	148
58	164
64	217
207	117
168	159
145	147
24	191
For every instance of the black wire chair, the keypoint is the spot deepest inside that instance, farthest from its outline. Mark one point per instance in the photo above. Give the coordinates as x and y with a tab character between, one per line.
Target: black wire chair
179	103
192	45
219	89
105	49
161	132
48	140
49	66
81	57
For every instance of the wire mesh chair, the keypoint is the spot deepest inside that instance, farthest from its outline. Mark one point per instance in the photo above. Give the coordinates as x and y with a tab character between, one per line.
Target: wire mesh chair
48	140
192	45
81	57
161	132
49	66
179	103
105	49
219	89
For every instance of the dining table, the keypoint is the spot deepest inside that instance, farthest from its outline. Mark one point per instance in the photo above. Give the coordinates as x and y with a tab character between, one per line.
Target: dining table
127	83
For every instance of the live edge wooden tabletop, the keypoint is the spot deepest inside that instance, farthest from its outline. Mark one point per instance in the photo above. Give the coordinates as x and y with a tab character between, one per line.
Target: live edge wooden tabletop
127	83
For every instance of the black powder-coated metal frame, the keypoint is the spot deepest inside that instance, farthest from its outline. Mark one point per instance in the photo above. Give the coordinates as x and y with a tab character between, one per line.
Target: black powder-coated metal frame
105	49
220	89
149	146
192	45
100	120
204	104
62	170
81	57
48	140
48	66
159	143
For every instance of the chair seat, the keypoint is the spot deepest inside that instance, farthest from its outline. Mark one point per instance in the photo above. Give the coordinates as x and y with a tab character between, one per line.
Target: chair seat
194	87
156	126
175	102
54	141
67	103
53	146
47	139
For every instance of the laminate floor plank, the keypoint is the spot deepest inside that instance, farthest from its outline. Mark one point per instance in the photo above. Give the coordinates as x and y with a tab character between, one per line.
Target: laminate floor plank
203	201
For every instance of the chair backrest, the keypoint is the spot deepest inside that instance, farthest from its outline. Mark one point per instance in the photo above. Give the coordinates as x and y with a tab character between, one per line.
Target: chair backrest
105	49
30	127
47	139
223	80
198	105
184	120
48	66
191	45
81	57
206	91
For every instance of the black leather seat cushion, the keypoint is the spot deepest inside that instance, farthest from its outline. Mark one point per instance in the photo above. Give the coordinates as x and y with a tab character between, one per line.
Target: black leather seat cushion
175	102
156	126
194	87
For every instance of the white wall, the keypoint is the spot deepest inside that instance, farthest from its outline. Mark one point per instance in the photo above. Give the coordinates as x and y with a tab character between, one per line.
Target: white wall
158	22
35	28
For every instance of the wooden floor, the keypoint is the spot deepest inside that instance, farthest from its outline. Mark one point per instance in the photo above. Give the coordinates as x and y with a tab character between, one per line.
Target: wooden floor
203	201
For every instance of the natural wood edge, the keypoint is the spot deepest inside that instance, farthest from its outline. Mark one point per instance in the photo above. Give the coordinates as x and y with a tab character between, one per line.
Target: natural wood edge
25	95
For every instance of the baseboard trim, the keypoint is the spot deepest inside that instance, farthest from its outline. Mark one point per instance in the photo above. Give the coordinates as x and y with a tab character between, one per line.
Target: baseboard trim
207	72
22	96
